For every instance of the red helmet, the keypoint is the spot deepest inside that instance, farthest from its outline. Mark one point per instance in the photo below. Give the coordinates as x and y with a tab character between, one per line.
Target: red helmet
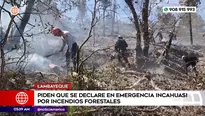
56	31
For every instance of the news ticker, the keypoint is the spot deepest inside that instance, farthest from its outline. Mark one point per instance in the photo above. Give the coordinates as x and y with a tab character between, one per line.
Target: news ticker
33	109
101	98
179	9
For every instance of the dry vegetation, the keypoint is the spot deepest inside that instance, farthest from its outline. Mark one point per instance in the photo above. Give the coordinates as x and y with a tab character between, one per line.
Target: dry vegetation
111	76
100	73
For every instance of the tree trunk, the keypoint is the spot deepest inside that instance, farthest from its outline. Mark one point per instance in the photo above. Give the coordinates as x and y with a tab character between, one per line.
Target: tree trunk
118	25
2	34
104	21
113	17
139	59
191	3
137	27
3	79
145	27
94	36
190	29
16	36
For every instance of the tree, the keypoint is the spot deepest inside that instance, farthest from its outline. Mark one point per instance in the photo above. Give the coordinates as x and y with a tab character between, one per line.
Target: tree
137	23
113	16
2	45
2	34
145	16
16	35
81	5
105	5
137	27
190	3
92	25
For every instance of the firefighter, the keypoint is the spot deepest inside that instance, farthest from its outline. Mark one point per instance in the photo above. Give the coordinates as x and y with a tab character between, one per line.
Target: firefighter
172	35
190	60
160	35
151	35
70	41
121	49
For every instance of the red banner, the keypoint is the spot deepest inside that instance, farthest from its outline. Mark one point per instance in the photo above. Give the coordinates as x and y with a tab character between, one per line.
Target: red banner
17	98
53	86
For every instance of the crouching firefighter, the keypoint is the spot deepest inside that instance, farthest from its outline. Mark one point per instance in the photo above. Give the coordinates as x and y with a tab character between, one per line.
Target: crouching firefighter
72	49
190	61
121	49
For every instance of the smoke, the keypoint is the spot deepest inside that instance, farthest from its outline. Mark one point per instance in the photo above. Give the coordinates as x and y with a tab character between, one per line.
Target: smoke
37	63
43	43
32	62
82	9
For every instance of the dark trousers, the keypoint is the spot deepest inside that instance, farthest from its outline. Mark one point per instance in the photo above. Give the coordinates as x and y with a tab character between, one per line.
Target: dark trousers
193	64
122	55
72	55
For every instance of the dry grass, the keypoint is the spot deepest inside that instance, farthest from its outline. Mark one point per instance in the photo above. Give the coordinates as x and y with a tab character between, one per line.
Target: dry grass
112	76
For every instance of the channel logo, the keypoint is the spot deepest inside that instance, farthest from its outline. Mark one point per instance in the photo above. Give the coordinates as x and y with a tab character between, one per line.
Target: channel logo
21	98
14	10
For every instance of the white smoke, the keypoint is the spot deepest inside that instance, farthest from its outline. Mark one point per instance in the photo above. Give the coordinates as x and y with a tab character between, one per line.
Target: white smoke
32	62
37	63
43	44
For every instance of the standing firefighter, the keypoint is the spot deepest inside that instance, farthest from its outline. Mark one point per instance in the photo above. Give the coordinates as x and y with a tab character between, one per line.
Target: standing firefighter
160	35
172	35
121	49
151	38
72	49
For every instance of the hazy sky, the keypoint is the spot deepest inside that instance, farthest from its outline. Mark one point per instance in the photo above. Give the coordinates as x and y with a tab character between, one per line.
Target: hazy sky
124	12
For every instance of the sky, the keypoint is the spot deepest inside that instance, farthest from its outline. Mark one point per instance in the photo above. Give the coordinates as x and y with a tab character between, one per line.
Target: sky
123	11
